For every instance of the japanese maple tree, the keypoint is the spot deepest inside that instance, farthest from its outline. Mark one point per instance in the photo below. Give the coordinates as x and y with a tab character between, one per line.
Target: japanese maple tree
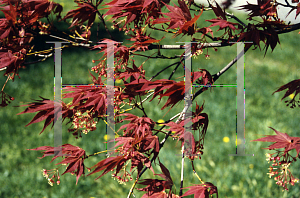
137	140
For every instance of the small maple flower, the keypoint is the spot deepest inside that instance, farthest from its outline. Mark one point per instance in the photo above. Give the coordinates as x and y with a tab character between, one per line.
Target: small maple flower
50	181
45	174
54	173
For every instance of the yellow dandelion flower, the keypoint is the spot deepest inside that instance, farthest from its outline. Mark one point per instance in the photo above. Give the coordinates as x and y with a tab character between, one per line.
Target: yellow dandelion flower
226	139
160	121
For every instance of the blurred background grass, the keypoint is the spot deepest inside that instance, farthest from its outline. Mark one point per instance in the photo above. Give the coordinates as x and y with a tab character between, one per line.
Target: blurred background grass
20	170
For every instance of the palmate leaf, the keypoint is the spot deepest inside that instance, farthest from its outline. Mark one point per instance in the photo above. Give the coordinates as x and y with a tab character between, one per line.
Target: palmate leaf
262	8
175	91
282	140
46	111
293	86
179	17
223	24
155	187
201	190
73	155
108	164
88	98
85	12
134	10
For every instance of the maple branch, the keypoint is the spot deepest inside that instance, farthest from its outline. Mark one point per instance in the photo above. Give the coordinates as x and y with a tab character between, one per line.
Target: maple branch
201	45
102	20
158	56
288	29
4	68
217	75
235	18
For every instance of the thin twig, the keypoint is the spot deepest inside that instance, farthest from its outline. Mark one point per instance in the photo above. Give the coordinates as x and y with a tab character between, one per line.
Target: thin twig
235	18
102	20
174	70
163	70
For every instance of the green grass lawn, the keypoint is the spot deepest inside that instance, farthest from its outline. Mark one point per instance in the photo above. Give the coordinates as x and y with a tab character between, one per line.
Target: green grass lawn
245	177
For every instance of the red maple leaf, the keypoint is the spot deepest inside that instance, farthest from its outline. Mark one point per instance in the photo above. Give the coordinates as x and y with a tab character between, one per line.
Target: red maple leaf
73	155
282	140
137	140
88	98
10	12
138	135
262	8
138	126
222	21
134	73
265	32
293	86
177	128
46	111
42	8
200	119
109	164
138	160
134	10
201	190
142	41
86	11
121	53
176	90
179	17
219	12
223	24
156	187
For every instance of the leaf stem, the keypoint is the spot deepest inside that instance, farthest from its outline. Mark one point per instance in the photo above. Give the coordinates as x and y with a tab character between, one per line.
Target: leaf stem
99	153
132	187
194	171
